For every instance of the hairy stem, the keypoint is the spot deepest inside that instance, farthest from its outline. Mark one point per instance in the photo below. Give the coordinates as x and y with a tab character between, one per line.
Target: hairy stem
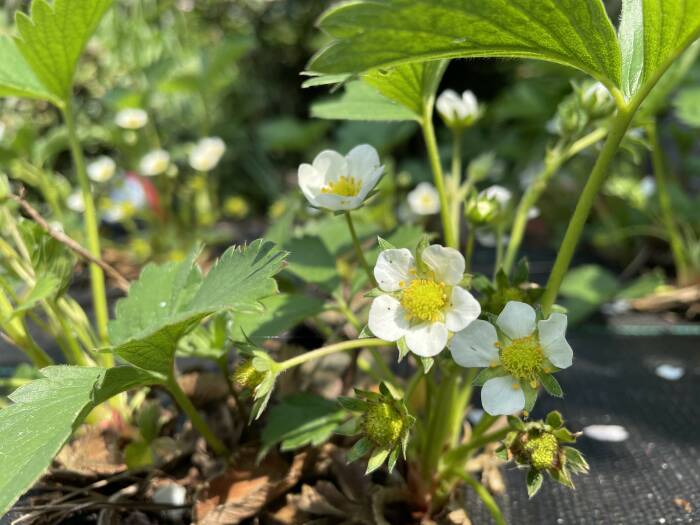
358	250
455	182
97	279
436	166
328	350
670	225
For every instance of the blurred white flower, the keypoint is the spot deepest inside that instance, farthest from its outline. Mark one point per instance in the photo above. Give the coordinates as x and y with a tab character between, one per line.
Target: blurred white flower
207	153
131	118
458	111
75	202
154	163
339	183
424	199
421	306
500	194
596	94
520	350
126	199
648	186
609	433
488	239
101	169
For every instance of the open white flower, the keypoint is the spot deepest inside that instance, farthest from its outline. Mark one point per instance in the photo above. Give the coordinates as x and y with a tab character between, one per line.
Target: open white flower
520	354
101	169
421	306
154	163
339	183
207	153
458	111
424	199
131	118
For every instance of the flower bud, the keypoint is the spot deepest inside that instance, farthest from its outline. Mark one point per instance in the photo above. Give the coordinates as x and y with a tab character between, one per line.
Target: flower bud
481	210
383	424
458	111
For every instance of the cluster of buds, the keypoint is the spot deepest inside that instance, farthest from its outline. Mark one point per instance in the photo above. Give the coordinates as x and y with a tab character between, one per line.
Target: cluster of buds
494	295
383	421
588	103
543	446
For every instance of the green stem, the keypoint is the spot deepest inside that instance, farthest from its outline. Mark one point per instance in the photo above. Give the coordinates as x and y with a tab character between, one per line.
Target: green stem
439	425
328	350
454	460
665	205
436	166
197	421
469	250
485	497
358	250
97	280
583	208
455	182
499	248
555	160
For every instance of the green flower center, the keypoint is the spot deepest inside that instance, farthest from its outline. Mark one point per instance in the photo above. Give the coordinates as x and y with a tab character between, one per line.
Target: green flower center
383	424
424	300
523	357
543	450
247	376
344	186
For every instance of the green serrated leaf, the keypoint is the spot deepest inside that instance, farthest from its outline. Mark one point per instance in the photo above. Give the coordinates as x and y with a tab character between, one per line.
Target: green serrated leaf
370	34
44	414
16	77
359	449
360	101
53	37
551	385
534	482
631	35
46	286
300	420
170	300
377	459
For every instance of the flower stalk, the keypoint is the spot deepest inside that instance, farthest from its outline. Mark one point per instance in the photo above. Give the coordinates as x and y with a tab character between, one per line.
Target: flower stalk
358	249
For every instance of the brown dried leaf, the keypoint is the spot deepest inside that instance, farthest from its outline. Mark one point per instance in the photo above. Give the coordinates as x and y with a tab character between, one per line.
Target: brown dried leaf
94	452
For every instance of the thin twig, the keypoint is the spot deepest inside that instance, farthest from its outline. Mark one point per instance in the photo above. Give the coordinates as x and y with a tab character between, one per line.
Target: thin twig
121	282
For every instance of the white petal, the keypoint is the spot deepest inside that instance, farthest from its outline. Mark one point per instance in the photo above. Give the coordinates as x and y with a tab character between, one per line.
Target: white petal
447	263
498	193
475	346
517	320
450	105
369	183
427	339
553	340
334	202
499	398
387	319
331	165
471	104
310	181
363	162
463	310
392	269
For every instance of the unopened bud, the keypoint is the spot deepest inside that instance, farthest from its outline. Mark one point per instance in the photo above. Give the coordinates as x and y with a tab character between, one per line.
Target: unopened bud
383	424
247	376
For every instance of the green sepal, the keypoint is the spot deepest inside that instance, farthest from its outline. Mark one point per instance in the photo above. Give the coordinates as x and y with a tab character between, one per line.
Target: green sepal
374	293
359	449
403	348
564	435
521	273
534	482
422	245
575	460
502	453
489	373
555	419
365	333
427	363
530	396
353	404
351	427
384	244
393	458
551	385
516	423
377	459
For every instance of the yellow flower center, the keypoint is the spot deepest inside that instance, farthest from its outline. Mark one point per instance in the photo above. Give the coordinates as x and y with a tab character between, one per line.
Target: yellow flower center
523	357
344	186
543	450
383	424
424	300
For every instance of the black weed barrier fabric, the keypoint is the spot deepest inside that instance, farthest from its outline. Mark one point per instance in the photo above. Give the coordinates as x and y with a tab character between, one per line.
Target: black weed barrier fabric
651	478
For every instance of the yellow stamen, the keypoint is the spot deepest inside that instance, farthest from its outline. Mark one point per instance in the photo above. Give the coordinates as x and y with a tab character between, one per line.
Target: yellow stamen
345	187
523	358
424	300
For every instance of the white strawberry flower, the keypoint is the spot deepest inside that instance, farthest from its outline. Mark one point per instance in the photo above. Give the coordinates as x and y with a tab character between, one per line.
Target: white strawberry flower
458	111
421	306
101	169
424	199
520	352
131	118
207	153
340	183
154	163
75	202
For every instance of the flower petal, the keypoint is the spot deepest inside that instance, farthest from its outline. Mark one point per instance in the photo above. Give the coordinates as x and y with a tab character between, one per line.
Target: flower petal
499	398
517	320
553	340
363	162
331	165
447	263
427	339
475	346
310	182
387	319
463	310
392	270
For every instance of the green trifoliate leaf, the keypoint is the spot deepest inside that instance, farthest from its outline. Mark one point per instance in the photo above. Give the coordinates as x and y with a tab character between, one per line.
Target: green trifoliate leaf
16	77
170	300
53	37
43	417
631	37
300	420
372	34
360	101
